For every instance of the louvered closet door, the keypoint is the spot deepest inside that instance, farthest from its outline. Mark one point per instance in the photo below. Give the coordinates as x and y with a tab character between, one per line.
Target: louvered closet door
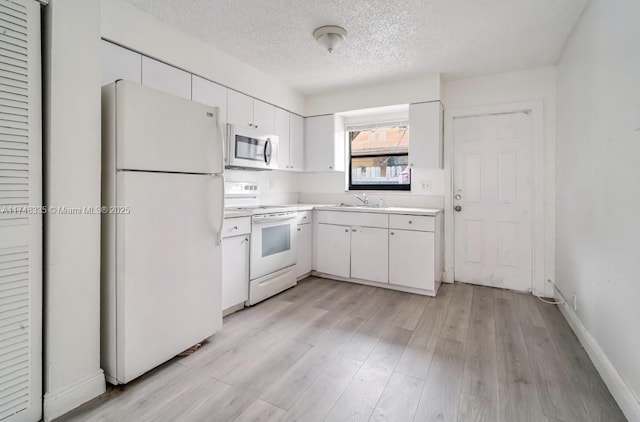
20	220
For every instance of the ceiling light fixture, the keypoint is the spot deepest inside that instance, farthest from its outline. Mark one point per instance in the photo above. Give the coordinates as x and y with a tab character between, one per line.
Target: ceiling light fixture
330	36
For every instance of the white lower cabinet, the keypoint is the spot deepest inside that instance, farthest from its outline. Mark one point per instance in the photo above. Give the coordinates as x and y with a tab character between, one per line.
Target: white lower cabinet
411	261
304	244
400	251
235	261
369	254
333	250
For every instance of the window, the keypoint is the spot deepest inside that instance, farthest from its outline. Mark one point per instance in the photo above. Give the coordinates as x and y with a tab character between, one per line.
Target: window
379	157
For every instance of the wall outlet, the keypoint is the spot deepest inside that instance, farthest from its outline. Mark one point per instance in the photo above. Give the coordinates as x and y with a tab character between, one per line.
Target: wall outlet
574	301
426	185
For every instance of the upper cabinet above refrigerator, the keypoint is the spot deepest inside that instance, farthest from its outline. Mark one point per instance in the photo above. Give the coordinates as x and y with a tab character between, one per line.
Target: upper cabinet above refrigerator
165	132
166	78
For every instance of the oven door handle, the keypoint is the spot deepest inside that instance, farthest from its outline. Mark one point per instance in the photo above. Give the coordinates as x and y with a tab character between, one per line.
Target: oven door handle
260	219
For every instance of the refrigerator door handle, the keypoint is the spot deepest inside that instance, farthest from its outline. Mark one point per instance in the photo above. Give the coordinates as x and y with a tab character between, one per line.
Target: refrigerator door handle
222	204
221	138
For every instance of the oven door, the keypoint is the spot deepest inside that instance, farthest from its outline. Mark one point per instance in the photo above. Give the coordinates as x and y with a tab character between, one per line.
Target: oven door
273	243
249	148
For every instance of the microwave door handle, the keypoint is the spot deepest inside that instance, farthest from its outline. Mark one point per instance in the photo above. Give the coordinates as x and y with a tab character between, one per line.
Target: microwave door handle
267	152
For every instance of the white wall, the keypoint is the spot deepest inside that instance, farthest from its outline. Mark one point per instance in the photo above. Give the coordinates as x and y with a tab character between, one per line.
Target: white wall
598	179
126	25
406	91
523	86
72	371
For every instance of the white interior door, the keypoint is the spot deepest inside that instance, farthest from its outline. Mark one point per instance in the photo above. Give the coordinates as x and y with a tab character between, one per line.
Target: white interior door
20	217
493	192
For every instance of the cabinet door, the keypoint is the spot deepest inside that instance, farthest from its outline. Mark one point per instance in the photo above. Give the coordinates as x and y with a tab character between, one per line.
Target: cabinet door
296	142
319	138
304	244
212	94
333	248
425	138
240	108
235	271
412	258
264	116
120	63
282	130
370	254
166	78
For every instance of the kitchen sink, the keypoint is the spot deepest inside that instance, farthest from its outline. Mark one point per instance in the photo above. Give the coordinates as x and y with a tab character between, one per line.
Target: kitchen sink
343	205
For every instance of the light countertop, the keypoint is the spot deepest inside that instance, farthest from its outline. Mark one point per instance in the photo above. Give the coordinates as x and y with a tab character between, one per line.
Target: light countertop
379	210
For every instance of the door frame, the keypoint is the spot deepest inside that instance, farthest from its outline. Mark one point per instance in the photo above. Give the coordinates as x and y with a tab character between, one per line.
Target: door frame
535	109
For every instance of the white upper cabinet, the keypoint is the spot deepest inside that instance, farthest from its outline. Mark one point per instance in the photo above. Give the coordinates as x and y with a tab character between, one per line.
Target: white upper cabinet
212	94
240	111
166	78
324	143
120	63
296	142
425	136
282	130
264	116
247	111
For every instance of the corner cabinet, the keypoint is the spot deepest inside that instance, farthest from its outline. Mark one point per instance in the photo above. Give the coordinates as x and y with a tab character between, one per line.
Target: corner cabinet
426	148
324	139
397	251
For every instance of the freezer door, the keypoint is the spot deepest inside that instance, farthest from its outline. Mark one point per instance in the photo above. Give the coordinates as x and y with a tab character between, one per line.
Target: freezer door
156	131
169	277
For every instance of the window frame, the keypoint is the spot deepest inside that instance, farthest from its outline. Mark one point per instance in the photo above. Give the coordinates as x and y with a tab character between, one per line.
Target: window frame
380	186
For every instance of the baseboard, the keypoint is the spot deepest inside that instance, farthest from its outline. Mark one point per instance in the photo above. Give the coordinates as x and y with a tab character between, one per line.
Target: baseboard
620	390
57	403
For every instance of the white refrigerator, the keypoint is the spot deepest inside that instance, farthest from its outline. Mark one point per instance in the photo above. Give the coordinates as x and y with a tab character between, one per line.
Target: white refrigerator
163	191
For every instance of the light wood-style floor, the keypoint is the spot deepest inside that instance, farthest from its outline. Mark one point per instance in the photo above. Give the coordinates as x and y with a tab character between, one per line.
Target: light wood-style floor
334	351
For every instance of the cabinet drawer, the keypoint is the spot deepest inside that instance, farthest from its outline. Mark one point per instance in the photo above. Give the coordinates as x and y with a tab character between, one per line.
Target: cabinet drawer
412	222
354	218
305	217
236	226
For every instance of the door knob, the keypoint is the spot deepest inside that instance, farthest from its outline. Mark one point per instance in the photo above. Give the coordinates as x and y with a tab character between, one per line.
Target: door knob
458	208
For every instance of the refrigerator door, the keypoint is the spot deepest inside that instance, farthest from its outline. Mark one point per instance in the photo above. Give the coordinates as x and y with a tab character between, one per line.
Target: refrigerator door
168	267
156	131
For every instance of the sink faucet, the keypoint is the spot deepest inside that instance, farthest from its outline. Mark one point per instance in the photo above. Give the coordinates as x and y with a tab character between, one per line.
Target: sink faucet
364	199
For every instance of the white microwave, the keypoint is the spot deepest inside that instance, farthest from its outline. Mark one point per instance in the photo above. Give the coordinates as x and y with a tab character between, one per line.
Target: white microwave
249	148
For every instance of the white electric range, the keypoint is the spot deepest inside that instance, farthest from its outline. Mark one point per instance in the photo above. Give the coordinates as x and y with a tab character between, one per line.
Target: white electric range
273	241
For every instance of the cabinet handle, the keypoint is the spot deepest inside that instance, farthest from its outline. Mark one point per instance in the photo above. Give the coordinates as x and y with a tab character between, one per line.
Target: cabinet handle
298	228
256	126
250	124
246	239
353	230
304	218
330	167
392	233
234	228
346	230
410	222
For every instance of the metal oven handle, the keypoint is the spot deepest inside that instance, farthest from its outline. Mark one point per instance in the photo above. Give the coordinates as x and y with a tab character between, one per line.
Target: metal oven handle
261	219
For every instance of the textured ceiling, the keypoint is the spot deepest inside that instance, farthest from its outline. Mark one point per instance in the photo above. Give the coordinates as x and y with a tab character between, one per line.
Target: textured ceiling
387	40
